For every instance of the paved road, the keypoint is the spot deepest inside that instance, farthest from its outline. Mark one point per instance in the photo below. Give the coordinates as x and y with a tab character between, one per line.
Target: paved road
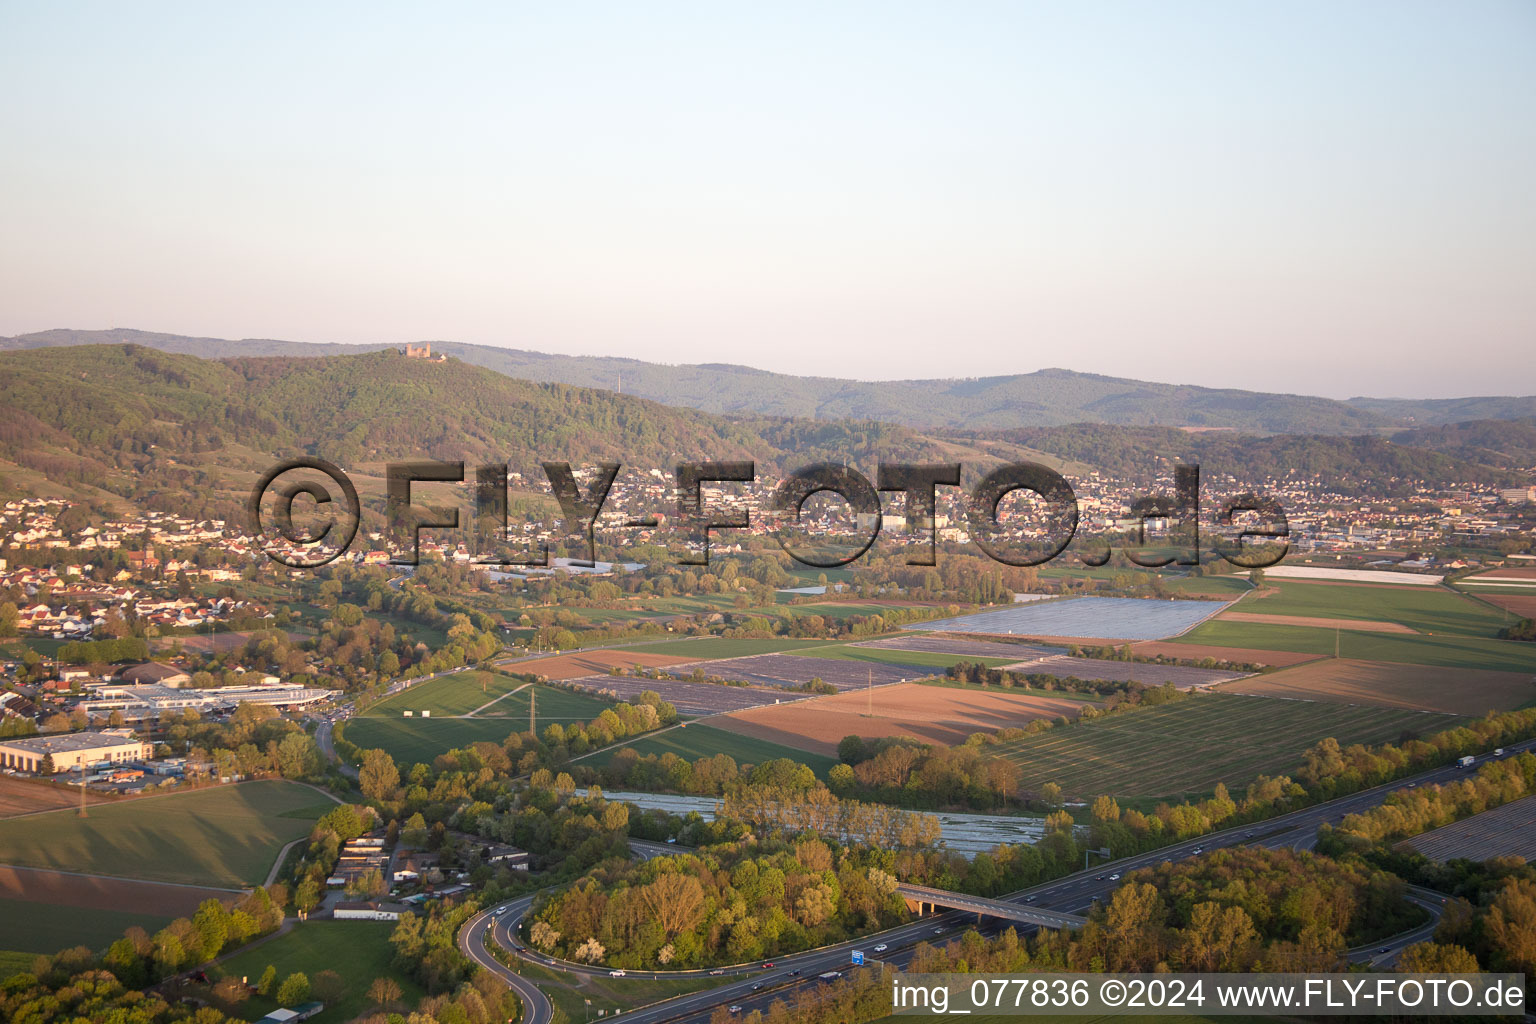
1072	894
537	1009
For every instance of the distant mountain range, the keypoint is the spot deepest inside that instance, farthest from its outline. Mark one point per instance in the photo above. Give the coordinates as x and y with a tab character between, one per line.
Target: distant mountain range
1044	398
115	424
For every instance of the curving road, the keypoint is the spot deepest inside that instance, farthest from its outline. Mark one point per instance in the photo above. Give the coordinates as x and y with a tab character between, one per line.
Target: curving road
537	1009
1071	894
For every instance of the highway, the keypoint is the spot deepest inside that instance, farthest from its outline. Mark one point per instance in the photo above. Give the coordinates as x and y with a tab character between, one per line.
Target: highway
1069	895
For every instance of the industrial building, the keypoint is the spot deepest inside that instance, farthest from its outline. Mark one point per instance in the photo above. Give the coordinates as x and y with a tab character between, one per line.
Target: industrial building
150	700
72	751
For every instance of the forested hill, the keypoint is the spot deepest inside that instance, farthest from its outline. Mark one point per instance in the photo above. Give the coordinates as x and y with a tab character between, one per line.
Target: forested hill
379	405
1510	443
1366	465
1043	398
140	422
182	433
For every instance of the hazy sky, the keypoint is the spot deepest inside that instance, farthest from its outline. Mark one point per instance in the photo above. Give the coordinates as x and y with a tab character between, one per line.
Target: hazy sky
1335	198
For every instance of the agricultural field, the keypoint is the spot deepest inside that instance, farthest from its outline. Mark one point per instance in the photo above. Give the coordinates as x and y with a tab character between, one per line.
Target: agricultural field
788	670
448	696
940	715
1185	748
1439	650
964	648
24	796
1199	652
1147	674
700	740
1454	691
1419	609
34	927
1501	832
359	951
226	836
691	699
418	740
596	663
723	647
1097	618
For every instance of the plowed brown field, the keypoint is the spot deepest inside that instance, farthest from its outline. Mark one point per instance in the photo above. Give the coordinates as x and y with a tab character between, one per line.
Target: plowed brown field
1455	691
933	714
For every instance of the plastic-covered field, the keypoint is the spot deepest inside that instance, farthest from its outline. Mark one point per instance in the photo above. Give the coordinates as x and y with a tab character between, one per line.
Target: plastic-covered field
1095	618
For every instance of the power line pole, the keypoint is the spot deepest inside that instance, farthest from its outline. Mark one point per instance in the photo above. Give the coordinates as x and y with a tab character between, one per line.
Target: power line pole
533	696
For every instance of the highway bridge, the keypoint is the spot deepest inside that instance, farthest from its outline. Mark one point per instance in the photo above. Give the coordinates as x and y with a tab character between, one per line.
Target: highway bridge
920	898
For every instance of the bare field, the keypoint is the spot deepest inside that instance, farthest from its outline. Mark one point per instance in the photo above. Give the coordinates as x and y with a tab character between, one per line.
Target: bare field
1503	831
93	892
1196	652
593	663
1523	605
932	714
1453	691
1503	574
18	797
1366	625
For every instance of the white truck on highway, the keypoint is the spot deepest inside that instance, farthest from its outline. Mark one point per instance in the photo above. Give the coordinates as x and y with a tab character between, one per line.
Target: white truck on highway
1466	762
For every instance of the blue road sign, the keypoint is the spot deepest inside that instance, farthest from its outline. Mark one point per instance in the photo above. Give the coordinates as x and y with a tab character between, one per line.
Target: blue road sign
858	958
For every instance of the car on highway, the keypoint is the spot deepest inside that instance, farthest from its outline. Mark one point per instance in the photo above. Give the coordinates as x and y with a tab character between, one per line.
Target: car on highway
881	948
1030	899
767	963
1114	878
1385	949
1199	850
735	1007
617	972
938	931
796	973
758	987
718	970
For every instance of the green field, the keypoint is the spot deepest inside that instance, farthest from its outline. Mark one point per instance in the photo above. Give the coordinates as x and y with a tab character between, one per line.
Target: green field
1426	609
227	836
15	961
359	951
1440	650
1185	748
462	692
47	927
698	741
457	694
413	740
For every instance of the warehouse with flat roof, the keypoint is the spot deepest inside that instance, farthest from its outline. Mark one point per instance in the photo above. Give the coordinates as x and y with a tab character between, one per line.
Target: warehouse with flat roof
72	750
